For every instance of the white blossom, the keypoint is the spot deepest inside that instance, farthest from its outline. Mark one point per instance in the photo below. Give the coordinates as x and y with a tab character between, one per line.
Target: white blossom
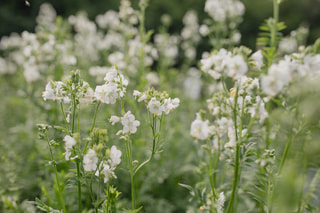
90	161
200	129
115	156
129	123
70	142
155	107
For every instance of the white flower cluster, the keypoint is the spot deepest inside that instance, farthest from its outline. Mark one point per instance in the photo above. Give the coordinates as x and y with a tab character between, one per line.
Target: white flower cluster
33	55
221	10
289	69
224	63
222	130
167	46
190	34
128	122
46	18
155	103
106	168
200	129
113	89
58	91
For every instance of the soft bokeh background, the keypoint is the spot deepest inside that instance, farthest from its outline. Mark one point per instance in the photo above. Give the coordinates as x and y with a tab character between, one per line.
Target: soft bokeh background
15	16
24	170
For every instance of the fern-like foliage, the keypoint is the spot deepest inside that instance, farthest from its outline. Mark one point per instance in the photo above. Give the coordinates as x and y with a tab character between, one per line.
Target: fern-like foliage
269	37
267	28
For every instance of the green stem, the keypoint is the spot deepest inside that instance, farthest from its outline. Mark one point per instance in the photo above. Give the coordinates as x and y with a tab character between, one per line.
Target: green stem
129	156
269	196
73	112
212	168
154	141
275	28
237	157
64	116
285	153
95	117
92	127
79	186
57	178
235	179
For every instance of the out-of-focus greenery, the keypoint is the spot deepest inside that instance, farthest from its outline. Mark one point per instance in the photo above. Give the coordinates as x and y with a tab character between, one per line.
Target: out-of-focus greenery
16	16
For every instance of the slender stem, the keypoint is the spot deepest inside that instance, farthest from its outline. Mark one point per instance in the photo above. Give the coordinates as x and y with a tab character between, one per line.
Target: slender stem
235	179
237	157
95	117
64	116
79	186
92	127
211	170
153	122
57	178
275	19
285	153
78	129
269	196
73	113
129	156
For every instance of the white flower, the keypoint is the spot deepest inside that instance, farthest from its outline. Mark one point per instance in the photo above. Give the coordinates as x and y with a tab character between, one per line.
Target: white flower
90	161
129	123
221	201
204	30
107	93
152	78
142	97
115	156
278	77
70	142
136	93
257	58
200	129
49	93
288	45
155	107
108	173
236	66
169	105
114	119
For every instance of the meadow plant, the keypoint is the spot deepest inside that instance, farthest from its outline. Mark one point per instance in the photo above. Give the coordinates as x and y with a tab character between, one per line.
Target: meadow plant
111	145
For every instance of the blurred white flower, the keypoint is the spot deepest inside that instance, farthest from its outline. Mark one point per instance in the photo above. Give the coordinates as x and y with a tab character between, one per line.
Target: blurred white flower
200	129
221	201
70	142
114	119
115	156
155	107
90	161
257	58
129	123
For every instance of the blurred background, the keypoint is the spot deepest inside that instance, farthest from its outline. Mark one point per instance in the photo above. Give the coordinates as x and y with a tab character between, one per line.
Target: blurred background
17	16
22	106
